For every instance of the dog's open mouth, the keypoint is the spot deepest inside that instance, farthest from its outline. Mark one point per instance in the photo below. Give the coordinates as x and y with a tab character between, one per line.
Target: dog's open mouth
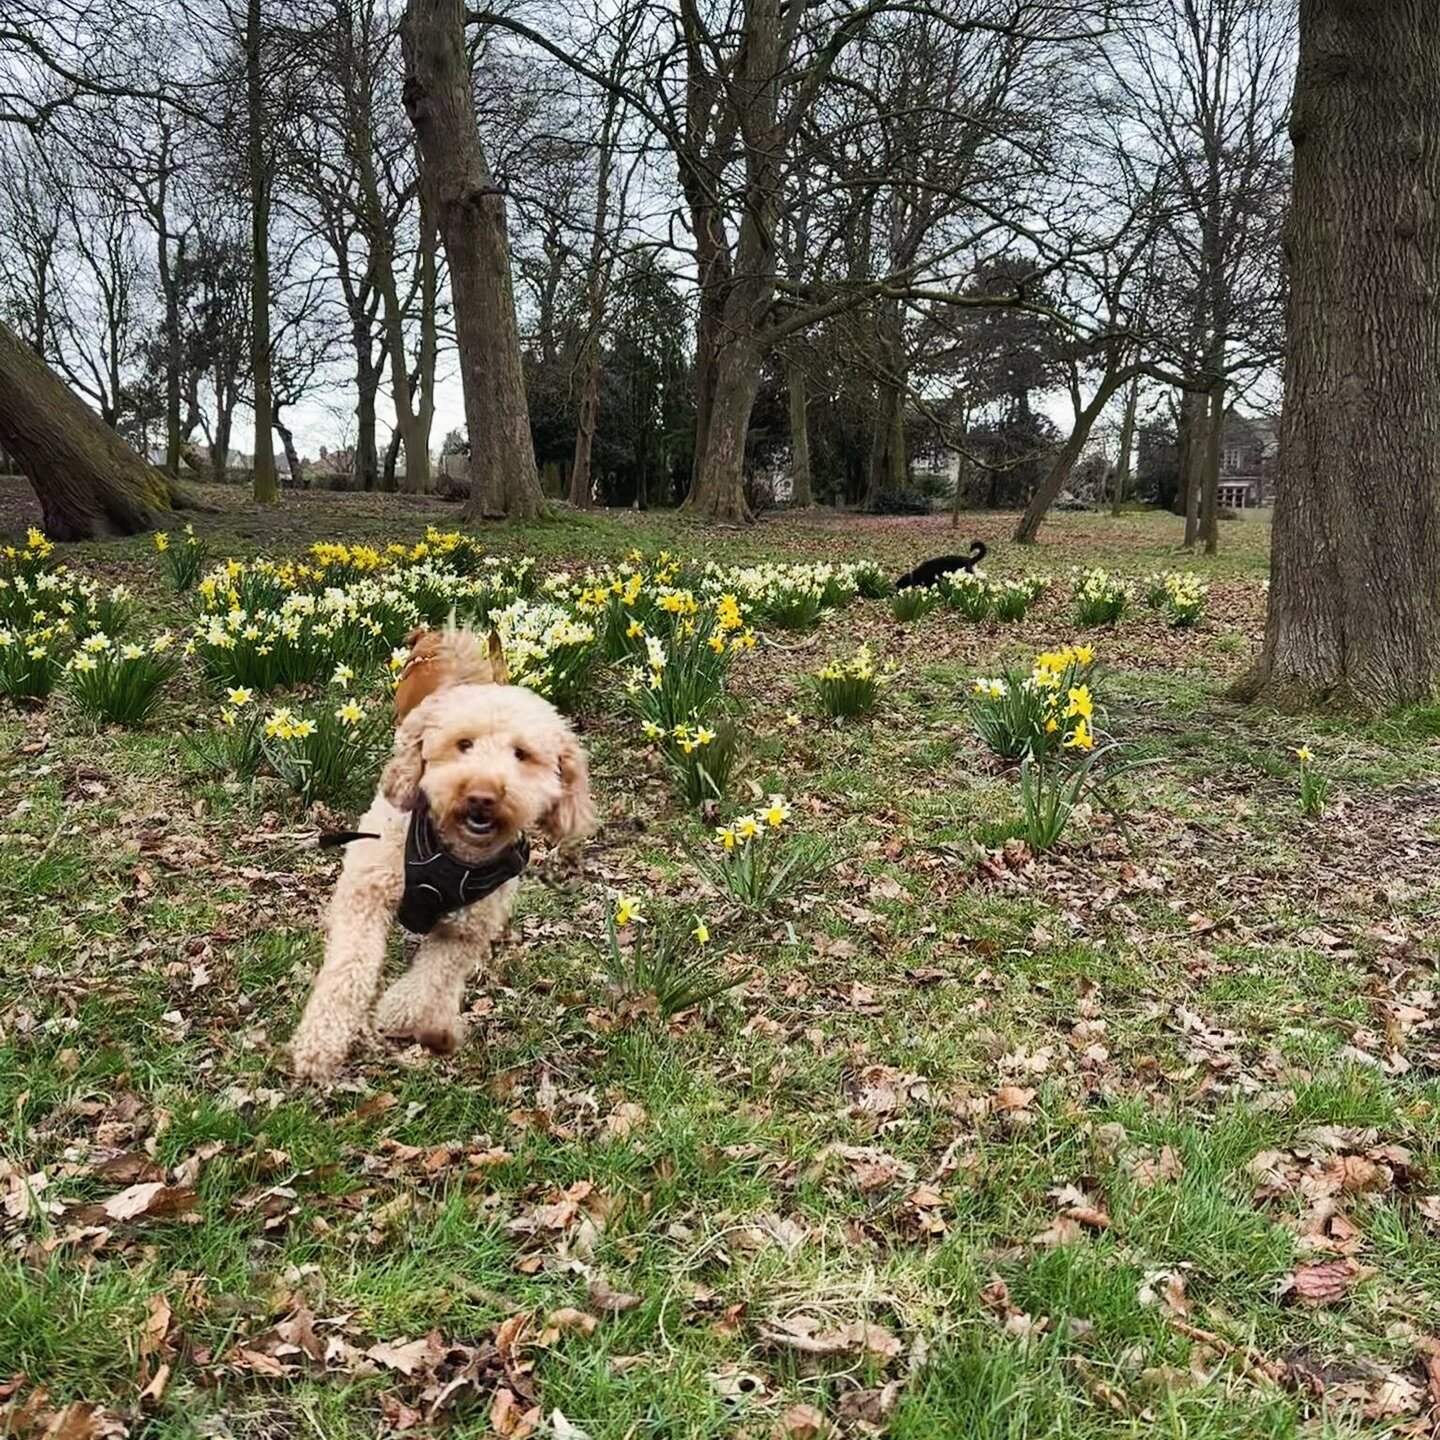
479	819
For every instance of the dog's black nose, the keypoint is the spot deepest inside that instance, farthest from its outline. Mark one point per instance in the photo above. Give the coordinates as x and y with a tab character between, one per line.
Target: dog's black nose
481	808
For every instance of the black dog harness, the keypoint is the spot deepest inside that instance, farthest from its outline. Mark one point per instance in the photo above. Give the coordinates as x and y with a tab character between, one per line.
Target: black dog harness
436	883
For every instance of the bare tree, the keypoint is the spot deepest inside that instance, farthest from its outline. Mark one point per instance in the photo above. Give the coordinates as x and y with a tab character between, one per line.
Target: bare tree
1201	92
471	217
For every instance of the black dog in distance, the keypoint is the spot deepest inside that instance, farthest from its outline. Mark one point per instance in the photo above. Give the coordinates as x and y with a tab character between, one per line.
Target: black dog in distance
932	570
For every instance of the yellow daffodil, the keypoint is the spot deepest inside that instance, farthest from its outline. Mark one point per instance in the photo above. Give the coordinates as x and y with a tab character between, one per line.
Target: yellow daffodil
747	827
701	932
792	720
162	541
1081	737
240	696
350	713
776	813
634	630
1304	755
1081	702
628	910
725	835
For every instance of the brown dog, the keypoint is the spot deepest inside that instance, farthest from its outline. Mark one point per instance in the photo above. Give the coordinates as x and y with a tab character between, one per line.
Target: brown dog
439	658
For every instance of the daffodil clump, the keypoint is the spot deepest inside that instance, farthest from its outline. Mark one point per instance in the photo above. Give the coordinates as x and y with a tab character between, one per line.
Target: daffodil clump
758	860
1314	786
1010	600
45	612
849	687
184	559
683	658
28	663
548	650
700	757
791	595
1181	594
73	605
118	680
911	604
661	965
969	592
1050	709
1100	598
329	749
30	559
237	745
620	601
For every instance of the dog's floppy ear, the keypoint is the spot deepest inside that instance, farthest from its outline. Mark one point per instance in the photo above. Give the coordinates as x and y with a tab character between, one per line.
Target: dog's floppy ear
400	780
499	671
572	817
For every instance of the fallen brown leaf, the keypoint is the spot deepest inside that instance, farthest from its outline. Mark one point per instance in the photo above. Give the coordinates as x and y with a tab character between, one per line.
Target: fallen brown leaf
801	1422
1323	1282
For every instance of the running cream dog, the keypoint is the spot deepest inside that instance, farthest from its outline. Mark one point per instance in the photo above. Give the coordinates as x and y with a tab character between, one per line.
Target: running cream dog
441	848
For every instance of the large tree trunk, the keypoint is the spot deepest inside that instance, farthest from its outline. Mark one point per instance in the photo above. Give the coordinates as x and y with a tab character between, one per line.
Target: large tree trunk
801	494
719	492
580	489
1210	475
170	290
1355	551
471	212
267	485
1127	449
88	480
1064	463
1194	435
367	383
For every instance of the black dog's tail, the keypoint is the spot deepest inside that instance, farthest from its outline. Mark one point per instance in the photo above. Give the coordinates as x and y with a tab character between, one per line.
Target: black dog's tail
978	551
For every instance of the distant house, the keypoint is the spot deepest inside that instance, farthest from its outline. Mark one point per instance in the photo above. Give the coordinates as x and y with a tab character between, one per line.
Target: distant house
1247	462
334	463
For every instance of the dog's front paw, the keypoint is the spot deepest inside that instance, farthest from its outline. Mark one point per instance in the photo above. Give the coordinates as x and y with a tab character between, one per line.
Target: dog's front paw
318	1052
411	1010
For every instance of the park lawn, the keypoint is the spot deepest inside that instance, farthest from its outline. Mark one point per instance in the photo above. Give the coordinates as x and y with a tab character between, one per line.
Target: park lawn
1136	1137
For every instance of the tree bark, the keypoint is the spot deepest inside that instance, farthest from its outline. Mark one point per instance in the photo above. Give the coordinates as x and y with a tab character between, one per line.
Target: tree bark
1354	615
392	459
1070	452
1194	432
367	383
580	488
287	439
220	446
267	485
801	495
471	215
1127	449
88	480
719	492
1210	473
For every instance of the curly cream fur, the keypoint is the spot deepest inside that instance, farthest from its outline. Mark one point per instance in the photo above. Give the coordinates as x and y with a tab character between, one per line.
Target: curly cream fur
499	746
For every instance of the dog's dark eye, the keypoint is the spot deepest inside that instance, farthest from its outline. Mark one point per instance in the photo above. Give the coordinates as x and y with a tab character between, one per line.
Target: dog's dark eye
463	745
522	754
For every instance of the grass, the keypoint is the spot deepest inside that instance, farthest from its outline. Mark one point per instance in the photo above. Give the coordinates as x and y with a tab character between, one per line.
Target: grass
935	1048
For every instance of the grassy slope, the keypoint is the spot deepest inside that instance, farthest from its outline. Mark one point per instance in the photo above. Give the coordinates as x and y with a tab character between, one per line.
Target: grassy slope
847	1139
